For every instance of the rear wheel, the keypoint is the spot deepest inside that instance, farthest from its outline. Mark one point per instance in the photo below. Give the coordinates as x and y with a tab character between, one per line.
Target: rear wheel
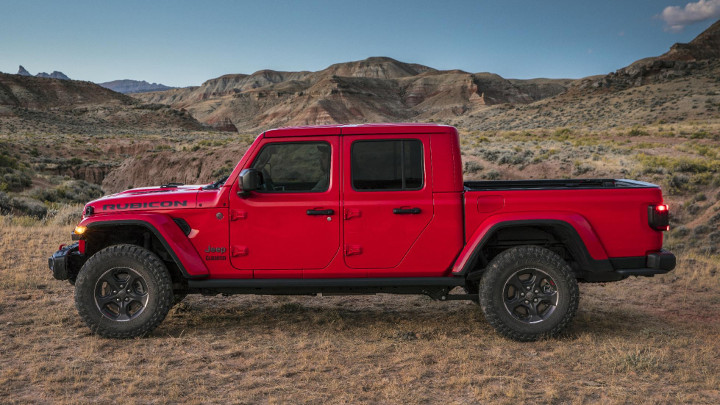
528	293
123	291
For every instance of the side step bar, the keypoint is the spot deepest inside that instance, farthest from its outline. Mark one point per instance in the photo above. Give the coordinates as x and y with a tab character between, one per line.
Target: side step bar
412	285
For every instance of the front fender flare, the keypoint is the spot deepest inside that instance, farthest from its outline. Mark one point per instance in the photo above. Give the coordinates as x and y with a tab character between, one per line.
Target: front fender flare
168	233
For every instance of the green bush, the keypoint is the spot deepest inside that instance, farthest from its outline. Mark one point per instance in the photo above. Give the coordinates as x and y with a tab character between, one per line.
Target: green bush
73	191
21	206
472	167
15	180
8	161
651	164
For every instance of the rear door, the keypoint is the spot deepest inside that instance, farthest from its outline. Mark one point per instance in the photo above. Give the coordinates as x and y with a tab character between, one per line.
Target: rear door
387	197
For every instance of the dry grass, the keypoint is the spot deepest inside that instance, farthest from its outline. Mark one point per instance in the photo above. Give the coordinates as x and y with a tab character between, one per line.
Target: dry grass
640	340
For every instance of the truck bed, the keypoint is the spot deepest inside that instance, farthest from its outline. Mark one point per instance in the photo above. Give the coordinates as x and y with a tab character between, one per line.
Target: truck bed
605	206
556	184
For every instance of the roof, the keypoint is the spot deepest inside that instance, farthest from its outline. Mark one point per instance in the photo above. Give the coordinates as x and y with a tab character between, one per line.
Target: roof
360	129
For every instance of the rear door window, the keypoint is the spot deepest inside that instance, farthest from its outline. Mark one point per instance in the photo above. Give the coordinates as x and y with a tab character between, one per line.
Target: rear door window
387	165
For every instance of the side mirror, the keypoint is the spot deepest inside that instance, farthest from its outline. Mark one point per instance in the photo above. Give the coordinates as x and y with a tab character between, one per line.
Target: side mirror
249	180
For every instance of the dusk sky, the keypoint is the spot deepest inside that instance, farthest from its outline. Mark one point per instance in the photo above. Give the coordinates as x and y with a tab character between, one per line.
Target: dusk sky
182	43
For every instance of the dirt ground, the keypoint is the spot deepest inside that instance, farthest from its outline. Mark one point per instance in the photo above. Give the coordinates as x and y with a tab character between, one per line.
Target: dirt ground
649	340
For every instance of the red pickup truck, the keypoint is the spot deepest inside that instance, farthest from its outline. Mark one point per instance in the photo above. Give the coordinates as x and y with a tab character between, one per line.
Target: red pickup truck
362	209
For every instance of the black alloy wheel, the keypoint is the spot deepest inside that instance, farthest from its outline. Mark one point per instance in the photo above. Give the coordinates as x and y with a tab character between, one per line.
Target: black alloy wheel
121	294
530	295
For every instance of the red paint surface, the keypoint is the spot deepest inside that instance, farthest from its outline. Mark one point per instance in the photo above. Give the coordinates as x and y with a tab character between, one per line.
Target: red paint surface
269	235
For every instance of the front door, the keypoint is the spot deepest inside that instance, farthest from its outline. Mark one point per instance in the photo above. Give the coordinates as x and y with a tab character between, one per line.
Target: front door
388	201
293	221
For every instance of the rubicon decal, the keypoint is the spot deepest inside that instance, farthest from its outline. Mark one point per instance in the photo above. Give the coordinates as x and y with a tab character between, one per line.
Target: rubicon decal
151	204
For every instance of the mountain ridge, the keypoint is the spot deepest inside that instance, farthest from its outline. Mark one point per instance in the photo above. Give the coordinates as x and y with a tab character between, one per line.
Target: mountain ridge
54	75
71	106
373	89
126	86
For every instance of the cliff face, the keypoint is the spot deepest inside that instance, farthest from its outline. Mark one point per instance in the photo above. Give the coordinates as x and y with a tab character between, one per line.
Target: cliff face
704	46
374	89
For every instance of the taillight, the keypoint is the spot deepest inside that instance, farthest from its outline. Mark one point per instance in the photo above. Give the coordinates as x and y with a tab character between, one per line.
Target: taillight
658	217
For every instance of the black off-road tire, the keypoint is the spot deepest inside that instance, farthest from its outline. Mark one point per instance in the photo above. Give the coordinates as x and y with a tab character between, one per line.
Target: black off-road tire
148	279
178	296
514	319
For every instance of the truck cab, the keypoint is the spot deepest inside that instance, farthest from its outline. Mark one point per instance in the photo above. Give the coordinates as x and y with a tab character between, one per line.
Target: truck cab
376	208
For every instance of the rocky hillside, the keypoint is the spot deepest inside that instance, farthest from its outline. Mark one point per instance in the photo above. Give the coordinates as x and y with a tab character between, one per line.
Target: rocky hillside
34	104
680	85
133	86
374	89
676	86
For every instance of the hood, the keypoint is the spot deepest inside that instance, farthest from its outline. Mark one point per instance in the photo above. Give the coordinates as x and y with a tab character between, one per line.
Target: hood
147	198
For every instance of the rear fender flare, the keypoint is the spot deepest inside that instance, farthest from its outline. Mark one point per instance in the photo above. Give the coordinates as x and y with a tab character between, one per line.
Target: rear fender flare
168	233
580	238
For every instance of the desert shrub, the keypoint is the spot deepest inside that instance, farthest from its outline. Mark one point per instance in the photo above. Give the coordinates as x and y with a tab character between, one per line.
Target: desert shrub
222	172
492	175
701	230
700	134
73	191
678	182
693	208
8	161
15	180
702	178
650	164
637	132
517	157
21	206
67	215
681	231
472	167
151	107
5	206
715	219
491	155
581	168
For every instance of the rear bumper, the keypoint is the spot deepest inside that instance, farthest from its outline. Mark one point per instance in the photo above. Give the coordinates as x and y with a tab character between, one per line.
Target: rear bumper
620	268
655	263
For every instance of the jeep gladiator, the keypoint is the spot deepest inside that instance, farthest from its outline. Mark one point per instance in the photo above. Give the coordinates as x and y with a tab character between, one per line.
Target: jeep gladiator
362	209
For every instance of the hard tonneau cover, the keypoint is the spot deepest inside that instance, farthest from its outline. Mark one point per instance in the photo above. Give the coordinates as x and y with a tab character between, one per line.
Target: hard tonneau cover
555	184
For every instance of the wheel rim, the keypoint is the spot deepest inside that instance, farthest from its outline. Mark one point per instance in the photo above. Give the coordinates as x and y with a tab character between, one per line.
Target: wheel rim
530	295
121	294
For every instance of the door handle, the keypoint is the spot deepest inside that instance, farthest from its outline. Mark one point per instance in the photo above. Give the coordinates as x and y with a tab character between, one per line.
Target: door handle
406	210
320	212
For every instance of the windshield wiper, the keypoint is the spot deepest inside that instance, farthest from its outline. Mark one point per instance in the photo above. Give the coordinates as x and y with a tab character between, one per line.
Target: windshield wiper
217	184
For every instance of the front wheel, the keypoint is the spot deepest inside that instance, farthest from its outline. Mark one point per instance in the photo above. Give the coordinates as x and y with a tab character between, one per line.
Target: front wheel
528	293
123	291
